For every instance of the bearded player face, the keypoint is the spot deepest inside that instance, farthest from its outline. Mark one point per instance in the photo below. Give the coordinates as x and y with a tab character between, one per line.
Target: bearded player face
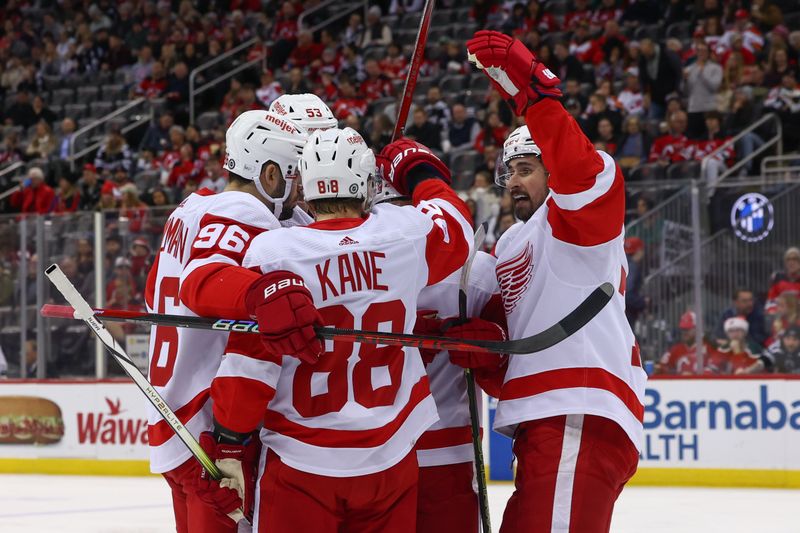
527	185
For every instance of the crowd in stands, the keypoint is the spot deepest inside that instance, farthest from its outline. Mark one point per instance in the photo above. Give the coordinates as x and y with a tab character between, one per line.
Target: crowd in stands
658	84
748	337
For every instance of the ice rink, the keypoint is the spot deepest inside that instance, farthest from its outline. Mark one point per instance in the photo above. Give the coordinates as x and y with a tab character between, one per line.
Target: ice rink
34	503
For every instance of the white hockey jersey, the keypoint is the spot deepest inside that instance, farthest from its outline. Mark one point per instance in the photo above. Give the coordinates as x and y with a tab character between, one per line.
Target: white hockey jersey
449	441
205	228
547	266
361	407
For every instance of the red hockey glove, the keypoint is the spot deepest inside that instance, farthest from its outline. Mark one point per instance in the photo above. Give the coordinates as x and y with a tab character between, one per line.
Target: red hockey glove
474	329
286	315
427	324
234	494
405	163
513	69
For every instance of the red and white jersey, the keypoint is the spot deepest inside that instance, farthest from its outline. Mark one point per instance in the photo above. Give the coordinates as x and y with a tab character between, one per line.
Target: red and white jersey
449	440
361	407
205	228
550	264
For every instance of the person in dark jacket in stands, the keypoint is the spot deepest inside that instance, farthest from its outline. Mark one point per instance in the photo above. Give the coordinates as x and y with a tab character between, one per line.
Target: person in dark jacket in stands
745	305
462	130
660	73
90	187
635	303
424	131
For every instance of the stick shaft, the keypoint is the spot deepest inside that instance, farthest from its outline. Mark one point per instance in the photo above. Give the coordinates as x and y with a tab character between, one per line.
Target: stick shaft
413	70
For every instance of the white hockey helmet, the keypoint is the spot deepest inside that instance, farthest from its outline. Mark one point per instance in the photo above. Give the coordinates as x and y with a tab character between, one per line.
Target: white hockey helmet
385	192
308	110
257	137
519	144
337	163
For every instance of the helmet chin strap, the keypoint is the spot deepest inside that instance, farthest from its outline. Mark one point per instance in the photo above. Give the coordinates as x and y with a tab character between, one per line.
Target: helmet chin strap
277	203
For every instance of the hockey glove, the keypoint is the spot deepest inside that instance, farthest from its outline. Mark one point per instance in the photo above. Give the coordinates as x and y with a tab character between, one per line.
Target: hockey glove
286	315
406	163
427	324
234	494
513	69
474	329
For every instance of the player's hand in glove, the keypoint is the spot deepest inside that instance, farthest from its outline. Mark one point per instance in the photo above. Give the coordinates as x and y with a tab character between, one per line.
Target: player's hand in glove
286	315
427	324
406	163
474	329
234	494
513	69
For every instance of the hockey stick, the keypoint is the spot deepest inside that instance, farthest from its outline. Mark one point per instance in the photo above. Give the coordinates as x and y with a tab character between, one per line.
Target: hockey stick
82	311
472	397
413	70
575	320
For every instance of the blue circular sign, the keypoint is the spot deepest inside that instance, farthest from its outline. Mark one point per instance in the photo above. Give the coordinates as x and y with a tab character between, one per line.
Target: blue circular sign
752	217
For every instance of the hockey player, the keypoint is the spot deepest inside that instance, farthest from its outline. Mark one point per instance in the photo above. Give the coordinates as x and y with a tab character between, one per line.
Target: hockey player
446	499
339	431
207	229
575	410
306	109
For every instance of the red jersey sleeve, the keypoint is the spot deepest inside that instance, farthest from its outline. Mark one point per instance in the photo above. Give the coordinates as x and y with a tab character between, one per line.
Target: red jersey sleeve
245	383
587	203
450	238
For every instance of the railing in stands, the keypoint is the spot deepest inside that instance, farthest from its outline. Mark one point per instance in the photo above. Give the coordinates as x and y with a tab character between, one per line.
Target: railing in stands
135	113
7	173
246	47
781	166
341	11
776	140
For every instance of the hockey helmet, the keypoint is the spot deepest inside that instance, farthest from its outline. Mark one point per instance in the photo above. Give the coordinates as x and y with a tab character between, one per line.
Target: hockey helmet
257	137
307	110
519	144
385	192
337	163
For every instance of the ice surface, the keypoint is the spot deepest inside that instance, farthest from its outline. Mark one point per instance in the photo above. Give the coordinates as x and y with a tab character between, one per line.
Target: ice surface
34	503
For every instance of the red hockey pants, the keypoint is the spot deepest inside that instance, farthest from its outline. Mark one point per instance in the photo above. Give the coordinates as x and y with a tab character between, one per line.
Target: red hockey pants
447	500
192	515
570	471
290	501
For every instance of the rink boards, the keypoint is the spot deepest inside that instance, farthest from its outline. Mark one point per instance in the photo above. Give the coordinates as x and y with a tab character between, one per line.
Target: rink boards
712	432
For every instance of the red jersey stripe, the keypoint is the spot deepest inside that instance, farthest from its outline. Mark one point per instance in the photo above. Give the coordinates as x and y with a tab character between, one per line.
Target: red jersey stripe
446	437
161	432
339	438
570	378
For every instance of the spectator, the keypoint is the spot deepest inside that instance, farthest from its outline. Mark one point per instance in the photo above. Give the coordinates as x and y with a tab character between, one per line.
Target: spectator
305	52
376	32
606	136
21	111
673	146
786	281
349	102
154	85
635	302
215	178
188	168
177	90
354	32
41	112
437	109
11	152
598	109
659	74
462	130
634	145
394	64
68	197
68	128
742	114
132	208
399	7
156	138
778	66
783	355
631	98
737	355
681	358
118	56
745	31
712	141
143	67
141	260
579	13
424	131
270	90
114	154
703	80
113	187
453	61
487	204
350	63
744	305
90	187
566	66
785	101
43	142
34	195
786	314
297	82
377	84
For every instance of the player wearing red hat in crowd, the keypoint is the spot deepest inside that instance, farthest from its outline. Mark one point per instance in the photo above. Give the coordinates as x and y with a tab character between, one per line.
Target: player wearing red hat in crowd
584	397
681	358
340	422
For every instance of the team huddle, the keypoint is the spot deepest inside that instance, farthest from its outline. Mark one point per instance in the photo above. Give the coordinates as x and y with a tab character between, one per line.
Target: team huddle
341	436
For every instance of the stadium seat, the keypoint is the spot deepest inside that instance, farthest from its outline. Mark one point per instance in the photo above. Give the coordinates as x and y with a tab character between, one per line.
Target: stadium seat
114	92
88	95
63	96
464	161
100	109
76	111
647	171
452	84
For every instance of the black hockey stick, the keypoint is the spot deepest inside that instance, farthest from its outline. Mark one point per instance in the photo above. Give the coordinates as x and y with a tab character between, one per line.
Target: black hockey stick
575	320
472	396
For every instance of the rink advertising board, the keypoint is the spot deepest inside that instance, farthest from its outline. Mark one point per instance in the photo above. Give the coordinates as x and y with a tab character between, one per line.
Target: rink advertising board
723	431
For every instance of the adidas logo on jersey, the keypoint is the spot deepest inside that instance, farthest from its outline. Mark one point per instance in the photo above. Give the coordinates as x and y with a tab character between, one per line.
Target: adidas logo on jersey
346	241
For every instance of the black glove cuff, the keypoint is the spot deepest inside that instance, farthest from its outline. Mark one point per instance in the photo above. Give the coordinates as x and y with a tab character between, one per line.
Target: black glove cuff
224	435
420	173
